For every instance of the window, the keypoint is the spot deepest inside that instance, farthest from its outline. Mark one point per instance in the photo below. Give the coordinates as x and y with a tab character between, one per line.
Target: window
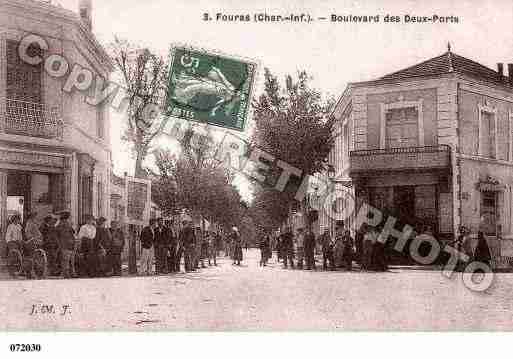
401	127
24	81
487	132
402	124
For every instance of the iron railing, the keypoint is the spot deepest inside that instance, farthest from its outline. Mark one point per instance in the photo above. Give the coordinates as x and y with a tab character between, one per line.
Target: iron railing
32	119
386	151
424	157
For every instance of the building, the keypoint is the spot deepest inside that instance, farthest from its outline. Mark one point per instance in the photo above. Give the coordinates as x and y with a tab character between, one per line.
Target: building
55	151
432	144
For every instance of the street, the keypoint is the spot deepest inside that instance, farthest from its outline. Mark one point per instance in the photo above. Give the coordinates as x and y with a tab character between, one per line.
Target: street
250	297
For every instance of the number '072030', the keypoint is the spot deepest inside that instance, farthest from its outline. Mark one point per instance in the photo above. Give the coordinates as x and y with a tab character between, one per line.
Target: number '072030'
25	347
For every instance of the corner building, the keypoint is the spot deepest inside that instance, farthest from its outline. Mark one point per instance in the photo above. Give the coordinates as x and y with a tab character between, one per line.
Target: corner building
433	144
55	151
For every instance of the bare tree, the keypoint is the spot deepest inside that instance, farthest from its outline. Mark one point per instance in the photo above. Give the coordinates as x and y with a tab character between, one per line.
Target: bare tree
145	77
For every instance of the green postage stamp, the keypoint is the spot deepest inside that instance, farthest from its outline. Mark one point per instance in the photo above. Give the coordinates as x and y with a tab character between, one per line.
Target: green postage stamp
206	87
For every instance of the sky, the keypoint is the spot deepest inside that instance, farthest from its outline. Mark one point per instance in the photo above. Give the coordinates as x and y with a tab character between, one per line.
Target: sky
334	53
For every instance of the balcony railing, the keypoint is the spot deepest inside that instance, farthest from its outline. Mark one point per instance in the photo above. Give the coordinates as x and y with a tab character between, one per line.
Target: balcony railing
404	158
32	119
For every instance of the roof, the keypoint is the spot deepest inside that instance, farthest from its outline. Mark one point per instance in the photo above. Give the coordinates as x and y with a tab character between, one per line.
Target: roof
448	62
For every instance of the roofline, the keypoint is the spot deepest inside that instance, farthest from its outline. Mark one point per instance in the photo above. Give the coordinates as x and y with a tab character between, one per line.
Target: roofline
346	92
504	85
69	16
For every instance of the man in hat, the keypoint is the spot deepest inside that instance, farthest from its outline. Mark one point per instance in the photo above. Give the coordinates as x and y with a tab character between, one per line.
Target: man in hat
186	241
50	243
287	243
172	241
327	250
118	245
161	246
147	243
66	236
309	243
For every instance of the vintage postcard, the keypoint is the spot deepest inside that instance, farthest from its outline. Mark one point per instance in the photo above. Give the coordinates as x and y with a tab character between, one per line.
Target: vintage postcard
255	166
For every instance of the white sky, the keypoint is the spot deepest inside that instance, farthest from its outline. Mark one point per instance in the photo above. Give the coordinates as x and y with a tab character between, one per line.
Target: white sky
334	53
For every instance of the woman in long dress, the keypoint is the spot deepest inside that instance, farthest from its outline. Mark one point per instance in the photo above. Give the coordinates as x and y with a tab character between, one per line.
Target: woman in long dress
237	246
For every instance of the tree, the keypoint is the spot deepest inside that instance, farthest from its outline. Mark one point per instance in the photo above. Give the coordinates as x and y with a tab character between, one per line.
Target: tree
144	75
292	123
194	180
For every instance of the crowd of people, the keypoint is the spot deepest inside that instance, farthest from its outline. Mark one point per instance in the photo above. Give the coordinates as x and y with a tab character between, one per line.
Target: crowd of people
95	250
341	251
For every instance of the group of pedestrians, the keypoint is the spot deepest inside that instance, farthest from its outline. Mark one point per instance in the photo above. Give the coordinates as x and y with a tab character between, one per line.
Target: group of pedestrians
301	247
338	251
94	251
166	247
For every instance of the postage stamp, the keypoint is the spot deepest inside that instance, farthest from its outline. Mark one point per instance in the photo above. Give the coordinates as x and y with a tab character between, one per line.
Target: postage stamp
207	87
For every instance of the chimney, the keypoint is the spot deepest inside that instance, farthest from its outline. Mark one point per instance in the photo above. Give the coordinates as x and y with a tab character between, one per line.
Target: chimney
510	74
500	70
85	9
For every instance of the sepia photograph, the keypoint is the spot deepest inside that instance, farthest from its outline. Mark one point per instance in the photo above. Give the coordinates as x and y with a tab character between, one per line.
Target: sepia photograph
255	166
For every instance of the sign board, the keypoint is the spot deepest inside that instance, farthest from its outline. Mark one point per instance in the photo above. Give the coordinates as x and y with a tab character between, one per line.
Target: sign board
138	199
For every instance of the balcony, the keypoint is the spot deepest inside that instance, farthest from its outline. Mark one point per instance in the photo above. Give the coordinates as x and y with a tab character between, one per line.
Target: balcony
32	119
400	159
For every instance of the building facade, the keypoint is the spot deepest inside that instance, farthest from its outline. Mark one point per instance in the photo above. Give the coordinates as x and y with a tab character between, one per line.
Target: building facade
432	144
55	151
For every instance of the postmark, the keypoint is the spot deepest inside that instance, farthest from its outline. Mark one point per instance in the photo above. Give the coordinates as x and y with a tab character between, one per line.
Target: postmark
208	87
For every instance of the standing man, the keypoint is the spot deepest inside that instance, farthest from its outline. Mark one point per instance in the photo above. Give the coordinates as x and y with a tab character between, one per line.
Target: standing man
66	236
172	249
287	246
50	243
161	246
118	244
87	237
187	239
104	239
147	243
309	249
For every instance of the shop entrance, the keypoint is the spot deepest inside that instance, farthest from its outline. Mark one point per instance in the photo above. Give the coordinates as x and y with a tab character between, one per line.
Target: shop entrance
415	206
33	192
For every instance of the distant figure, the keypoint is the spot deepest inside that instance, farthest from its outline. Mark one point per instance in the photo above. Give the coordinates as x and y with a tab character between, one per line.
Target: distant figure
309	244
50	244
369	239
300	247
264	245
237	246
90	246
147	243
118	244
327	250
287	247
104	239
186	240
66	236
